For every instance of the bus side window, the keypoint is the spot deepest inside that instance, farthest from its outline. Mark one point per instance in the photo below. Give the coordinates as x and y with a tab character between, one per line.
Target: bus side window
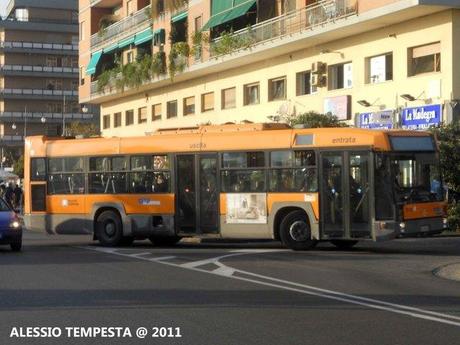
293	172
38	169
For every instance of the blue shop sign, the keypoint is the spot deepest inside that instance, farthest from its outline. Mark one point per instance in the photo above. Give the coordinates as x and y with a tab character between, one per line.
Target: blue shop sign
376	120
421	117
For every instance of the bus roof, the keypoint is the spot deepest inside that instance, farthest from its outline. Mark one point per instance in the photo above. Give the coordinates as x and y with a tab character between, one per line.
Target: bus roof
229	137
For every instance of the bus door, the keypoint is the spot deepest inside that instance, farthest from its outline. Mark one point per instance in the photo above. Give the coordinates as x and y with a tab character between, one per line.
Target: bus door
197	194
344	195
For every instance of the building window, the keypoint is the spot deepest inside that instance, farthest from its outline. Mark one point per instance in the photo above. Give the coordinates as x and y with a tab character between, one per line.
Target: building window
251	94
156	112
106	121
171	109
229	98
129	57
129	117
117	120
82	76
82	30
51	61
207	102
425	59
189	106
74	62
142	115
340	76
304	85
129	7
380	68
277	89
54	84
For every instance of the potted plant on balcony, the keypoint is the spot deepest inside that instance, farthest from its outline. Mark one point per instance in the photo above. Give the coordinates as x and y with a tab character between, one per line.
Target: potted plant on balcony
104	23
178	58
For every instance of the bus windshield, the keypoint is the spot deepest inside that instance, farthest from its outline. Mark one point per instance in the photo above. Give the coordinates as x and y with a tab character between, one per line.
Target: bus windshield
417	177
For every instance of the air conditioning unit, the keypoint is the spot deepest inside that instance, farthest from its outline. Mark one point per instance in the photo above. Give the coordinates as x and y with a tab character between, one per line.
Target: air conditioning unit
318	80
318	67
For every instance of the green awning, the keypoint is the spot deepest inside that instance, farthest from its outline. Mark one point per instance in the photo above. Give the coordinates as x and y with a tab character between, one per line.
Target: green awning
228	15
111	48
126	42
143	36
180	16
95	57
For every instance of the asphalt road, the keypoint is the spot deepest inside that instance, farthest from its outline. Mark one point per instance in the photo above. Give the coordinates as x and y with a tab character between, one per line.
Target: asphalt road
240	293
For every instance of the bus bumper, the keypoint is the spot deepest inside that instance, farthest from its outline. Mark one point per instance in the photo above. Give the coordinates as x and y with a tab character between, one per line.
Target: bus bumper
421	227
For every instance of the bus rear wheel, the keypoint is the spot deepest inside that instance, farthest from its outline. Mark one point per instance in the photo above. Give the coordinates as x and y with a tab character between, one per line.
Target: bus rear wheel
164	241
109	229
295	231
344	244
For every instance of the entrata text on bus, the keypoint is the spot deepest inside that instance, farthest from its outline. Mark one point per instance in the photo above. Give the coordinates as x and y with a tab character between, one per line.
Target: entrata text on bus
249	181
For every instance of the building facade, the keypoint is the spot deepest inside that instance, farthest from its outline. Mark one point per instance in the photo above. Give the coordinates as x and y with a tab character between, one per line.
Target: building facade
166	64
38	72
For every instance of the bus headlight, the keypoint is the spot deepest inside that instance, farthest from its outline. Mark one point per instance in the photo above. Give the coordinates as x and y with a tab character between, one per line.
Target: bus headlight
15	225
402	226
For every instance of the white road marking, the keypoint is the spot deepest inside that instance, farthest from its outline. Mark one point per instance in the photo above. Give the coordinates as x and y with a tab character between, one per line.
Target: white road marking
229	272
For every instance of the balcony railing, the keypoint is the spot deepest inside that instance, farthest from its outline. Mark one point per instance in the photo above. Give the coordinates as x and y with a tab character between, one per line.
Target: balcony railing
305	19
38	45
127	26
16	138
302	20
45	69
37	116
38	92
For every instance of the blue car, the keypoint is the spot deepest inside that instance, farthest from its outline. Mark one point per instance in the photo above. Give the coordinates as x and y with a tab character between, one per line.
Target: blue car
10	227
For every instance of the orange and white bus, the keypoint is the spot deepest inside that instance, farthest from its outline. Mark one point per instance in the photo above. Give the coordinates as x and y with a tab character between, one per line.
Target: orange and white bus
250	181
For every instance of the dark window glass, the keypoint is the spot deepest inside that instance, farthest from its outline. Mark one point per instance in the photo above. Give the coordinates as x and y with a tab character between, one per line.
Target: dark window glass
294	180
70	164
119	164
107	183
243	160
66	184
304	158
243	181
150	182
282	159
55	165
37	169
108	164
412	143
149	163
38	196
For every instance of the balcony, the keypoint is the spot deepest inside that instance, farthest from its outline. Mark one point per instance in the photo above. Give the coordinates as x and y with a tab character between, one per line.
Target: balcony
306	22
38	46
36	117
305	19
31	70
138	21
37	93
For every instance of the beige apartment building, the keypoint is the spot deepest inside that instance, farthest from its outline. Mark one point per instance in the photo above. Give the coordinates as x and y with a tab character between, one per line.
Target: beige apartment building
38	72
167	64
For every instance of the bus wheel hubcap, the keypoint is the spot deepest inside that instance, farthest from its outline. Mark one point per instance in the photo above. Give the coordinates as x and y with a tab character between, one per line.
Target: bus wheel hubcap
110	229
299	231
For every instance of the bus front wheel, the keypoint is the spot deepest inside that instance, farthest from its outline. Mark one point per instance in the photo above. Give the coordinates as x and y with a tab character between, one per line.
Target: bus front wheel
295	231
109	229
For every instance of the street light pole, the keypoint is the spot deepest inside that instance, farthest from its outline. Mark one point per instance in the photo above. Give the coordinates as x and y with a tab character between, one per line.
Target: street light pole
63	117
